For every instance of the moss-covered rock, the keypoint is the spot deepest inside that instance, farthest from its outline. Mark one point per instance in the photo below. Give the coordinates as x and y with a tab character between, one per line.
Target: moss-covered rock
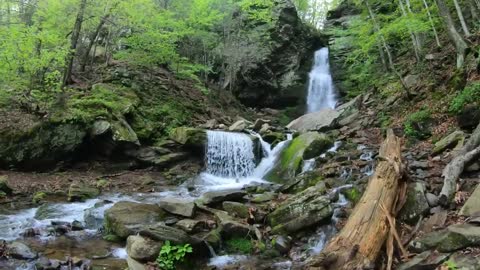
416	204
190	137
453	238
125	218
4	187
318	146
291	158
81	193
236	209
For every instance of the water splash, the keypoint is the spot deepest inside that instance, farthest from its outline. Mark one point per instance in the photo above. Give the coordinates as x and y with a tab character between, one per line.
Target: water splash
321	93
229	154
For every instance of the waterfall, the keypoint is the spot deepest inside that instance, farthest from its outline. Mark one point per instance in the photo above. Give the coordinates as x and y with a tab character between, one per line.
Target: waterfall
321	93
229	154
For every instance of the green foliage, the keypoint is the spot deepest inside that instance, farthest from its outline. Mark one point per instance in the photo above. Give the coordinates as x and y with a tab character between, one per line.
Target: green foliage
239	245
470	94
39	196
170	255
416	124
451	265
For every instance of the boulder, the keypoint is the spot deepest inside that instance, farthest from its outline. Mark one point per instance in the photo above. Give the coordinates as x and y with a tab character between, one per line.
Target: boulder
210	124
464	261
122	132
259	123
81	193
425	260
317	121
142	249
302	210
469	117
472	205
191	225
236	209
4	187
273	137
212	197
416	204
100	127
230	227
290	161
190	137
20	251
454	139
318	146
452	238
282	244
126	218
162	232
93	217
135	265
178	206
240	125
263	197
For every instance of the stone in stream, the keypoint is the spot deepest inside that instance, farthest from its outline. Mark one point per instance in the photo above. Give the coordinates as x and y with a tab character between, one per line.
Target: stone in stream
191	225
318	146
18	250
452	238
236	209
302	210
212	197
282	244
142	249
190	137
240	125
416	204
472	205
80	193
93	217
134	264
161	232
127	218
230	227
178	206
4	187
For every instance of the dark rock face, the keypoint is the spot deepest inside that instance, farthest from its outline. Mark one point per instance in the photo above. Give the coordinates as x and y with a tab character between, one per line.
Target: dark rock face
276	68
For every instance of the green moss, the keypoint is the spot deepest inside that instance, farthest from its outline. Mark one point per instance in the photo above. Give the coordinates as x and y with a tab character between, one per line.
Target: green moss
469	95
417	124
239	245
112	238
101	183
39	196
352	194
4	187
2	194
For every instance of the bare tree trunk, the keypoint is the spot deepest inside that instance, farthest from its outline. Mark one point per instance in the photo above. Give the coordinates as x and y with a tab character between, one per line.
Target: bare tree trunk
457	40
359	242
462	19
74	41
454	169
427	8
382	57
412	34
93	37
417	38
387	49
474	11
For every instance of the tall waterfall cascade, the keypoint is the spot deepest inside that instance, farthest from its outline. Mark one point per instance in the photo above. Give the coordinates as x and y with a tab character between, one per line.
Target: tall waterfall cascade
321	93
229	154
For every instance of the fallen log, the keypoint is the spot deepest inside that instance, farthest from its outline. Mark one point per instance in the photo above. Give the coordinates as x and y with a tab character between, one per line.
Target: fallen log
361	239
451	173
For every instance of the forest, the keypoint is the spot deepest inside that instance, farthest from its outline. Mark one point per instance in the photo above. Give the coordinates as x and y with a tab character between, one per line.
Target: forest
239	134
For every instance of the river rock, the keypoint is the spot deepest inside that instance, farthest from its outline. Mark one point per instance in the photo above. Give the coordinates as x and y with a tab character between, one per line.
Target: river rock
162	232
236	209
452	238
432	199
80	193
454	139
317	121
135	265
302	210
191	225
178	206
425	260
259	124
416	204
195	138
464	261
282	244
142	249
318	146
93	217
20	251
240	125
125	218
212	197
290	160
230	227
472	205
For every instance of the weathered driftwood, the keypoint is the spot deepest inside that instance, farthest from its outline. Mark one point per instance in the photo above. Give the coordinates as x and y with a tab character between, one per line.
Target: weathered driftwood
361	239
454	169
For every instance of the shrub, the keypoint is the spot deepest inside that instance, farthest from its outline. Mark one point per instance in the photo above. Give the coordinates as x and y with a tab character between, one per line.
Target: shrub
170	255
416	125
470	94
239	245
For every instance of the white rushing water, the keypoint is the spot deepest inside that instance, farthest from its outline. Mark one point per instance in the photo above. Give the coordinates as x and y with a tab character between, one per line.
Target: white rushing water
321	93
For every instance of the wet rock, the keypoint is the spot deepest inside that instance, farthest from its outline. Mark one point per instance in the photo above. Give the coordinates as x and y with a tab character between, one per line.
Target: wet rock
259	124
212	197
416	204
318	121
424	261
125	218
161	232
142	249
93	217
282	244
178	206
419	165
77	226
135	265
190	137
263	197
80	193
240	125
4	187
191	225
302	210
236	209
465	261
454	139
273	137
432	199
170	221
230	227
318	146
61	227
452	238
20	251
265	128
210	124
472	205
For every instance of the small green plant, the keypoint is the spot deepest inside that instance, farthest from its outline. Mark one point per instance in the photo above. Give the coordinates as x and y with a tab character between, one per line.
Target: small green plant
239	245
450	265
416	125
39	196
470	94
170	255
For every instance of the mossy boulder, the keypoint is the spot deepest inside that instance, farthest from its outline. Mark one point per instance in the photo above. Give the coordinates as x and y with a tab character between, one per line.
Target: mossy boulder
302	210
194	138
81	193
416	204
236	209
452	238
291	158
318	146
4	187
454	139
127	218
